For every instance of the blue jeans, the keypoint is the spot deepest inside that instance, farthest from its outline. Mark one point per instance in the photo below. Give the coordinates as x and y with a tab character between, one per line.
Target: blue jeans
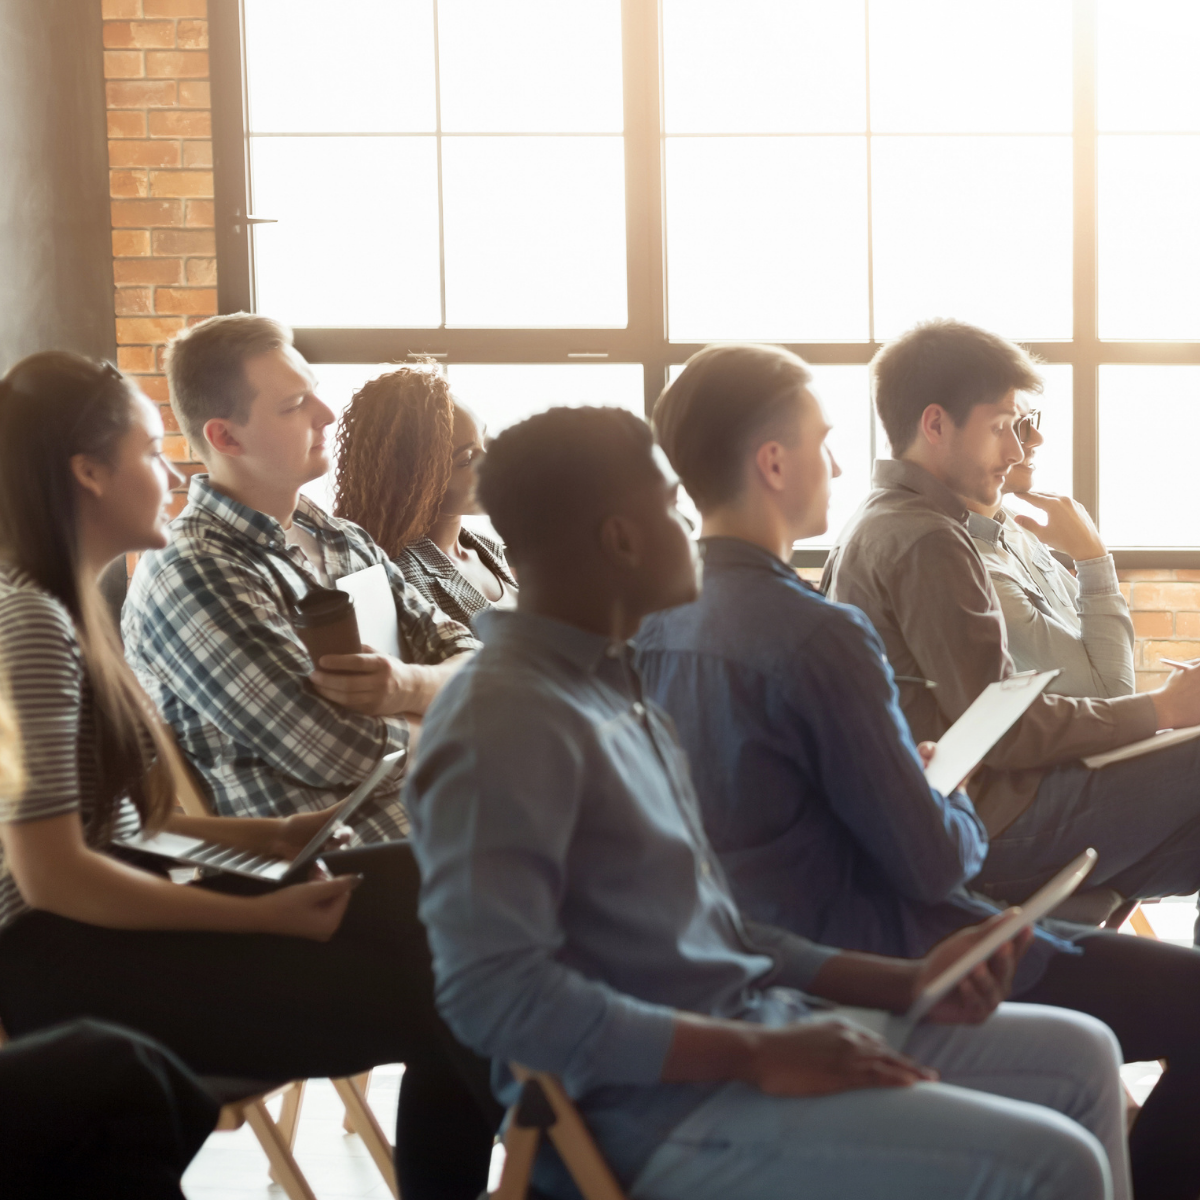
1030	1106
1141	815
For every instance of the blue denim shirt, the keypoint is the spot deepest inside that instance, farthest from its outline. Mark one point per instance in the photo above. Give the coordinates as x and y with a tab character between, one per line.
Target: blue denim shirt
811	787
571	897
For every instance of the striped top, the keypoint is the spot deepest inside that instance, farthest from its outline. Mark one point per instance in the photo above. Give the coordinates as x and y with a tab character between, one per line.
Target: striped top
50	698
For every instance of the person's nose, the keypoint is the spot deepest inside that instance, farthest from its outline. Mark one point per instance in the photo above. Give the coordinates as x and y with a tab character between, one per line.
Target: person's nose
1014	451
834	469
323	414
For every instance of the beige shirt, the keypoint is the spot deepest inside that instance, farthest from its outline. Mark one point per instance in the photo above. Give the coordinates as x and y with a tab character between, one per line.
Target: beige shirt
906	559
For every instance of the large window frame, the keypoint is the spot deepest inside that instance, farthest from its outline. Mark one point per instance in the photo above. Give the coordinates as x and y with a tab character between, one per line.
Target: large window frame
644	339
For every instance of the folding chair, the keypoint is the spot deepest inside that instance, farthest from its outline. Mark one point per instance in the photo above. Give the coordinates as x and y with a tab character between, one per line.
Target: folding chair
544	1108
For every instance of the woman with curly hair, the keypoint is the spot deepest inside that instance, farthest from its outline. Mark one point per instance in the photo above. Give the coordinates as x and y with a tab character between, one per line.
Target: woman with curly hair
407	457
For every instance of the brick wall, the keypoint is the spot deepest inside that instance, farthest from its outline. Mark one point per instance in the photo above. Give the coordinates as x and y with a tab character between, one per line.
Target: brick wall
1166	618
161	184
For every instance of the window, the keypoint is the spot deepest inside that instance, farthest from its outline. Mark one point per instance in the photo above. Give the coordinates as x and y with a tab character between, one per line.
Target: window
564	199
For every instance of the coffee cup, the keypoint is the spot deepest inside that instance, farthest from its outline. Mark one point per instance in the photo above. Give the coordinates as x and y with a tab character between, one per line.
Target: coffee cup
324	621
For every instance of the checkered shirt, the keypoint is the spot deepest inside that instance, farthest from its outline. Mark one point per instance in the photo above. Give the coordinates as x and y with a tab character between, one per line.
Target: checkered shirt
206	630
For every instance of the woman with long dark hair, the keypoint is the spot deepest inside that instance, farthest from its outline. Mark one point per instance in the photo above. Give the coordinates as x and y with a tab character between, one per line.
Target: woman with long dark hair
407	457
273	983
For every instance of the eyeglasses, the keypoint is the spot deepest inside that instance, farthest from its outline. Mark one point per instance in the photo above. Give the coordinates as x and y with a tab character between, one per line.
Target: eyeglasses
1027	424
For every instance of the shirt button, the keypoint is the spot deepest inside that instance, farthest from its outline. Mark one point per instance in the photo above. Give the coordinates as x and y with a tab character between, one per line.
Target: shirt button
639	709
705	868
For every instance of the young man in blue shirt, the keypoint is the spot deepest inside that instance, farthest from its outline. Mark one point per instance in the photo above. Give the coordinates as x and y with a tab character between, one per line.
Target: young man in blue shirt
811	786
581	924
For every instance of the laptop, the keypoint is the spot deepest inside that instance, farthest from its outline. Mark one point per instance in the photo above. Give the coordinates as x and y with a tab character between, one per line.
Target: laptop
196	852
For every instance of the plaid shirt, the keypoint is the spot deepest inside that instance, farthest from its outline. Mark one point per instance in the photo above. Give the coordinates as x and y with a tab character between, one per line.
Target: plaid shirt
206	630
427	568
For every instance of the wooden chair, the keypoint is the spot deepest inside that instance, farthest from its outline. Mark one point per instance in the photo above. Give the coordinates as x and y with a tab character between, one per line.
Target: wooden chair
544	1108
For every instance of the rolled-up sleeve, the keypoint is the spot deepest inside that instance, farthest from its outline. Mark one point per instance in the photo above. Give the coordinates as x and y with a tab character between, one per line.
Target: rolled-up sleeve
494	804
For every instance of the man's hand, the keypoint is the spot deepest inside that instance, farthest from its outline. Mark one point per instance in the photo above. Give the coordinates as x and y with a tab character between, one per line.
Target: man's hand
1068	528
817	1058
296	832
376	685
977	996
927	750
1177	702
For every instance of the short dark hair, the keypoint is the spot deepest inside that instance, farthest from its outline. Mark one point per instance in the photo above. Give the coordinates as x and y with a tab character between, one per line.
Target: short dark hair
725	399
948	363
551	479
206	369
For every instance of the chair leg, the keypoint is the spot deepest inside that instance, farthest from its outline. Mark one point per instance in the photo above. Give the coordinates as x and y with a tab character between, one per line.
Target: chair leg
520	1149
1141	924
364	1085
362	1120
289	1117
284	1168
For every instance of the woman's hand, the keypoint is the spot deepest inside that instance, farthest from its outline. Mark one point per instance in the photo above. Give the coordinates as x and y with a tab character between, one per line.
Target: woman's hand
307	910
294	833
1068	528
977	996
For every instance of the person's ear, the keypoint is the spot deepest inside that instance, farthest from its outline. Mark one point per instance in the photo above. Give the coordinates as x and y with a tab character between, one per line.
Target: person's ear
935	421
91	474
218	433
621	542
770	463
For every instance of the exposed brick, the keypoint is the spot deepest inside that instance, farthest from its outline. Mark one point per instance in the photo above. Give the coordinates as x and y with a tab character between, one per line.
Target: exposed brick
123	64
1154	624
194	94
1133	573
133	214
1154	652
193	35
132	301
1166	595
139	35
127	184
160	359
1147	681
181	183
178	499
197	154
176	8
1187	625
143	154
135	359
175	445
1187	574
175	124
126	125
118	9
130	243
140	93
170	424
138	331
1126	588
155	387
149	271
176	64
196	320
201	271
186	301
201	242
200	214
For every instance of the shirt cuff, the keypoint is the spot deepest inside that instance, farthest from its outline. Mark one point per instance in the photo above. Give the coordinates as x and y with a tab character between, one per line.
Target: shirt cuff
1097	576
1134	718
797	960
633	1045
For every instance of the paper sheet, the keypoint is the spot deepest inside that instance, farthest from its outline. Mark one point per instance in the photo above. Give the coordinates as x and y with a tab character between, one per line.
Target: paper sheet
993	713
375	608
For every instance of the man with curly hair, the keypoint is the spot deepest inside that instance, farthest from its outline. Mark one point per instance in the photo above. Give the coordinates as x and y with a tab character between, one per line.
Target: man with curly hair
206	623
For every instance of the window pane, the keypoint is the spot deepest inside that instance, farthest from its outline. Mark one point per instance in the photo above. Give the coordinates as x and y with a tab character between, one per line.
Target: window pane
743	68
313	67
1146	65
1149	429
767	238
845	394
535	231
1149	243
530	66
973	228
954	67
357	238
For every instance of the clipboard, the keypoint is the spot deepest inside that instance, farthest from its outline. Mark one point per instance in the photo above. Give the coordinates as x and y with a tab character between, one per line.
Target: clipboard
374	607
990	716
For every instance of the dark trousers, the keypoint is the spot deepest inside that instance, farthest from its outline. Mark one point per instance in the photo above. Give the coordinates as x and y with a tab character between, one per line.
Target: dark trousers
1148	993
94	1112
277	1008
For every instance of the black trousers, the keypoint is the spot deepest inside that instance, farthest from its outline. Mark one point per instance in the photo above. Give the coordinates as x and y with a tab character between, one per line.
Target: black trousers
274	1008
94	1112
1148	993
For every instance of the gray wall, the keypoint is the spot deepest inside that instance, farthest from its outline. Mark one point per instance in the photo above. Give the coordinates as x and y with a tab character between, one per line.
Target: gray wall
56	284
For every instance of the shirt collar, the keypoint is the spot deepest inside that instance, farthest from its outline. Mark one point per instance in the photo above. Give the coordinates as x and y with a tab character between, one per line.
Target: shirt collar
735	551
895	474
986	529
257	526
582	649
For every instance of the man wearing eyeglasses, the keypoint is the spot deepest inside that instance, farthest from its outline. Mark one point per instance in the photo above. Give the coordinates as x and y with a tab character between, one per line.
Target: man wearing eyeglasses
1079	623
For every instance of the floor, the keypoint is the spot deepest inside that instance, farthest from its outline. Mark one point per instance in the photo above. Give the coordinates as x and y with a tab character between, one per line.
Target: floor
232	1166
